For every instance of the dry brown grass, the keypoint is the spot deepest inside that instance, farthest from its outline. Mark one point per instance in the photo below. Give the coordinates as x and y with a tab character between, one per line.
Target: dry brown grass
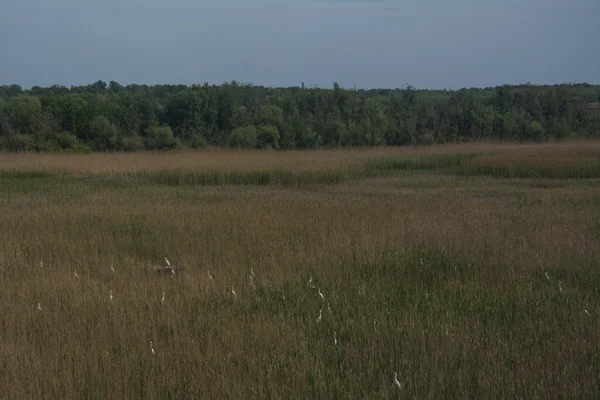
438	276
213	159
315	160
556	156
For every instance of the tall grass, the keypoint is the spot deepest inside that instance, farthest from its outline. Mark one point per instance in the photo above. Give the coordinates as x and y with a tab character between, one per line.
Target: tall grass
466	285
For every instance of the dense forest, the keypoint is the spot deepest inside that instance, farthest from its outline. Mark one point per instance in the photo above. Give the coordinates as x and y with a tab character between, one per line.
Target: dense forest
113	117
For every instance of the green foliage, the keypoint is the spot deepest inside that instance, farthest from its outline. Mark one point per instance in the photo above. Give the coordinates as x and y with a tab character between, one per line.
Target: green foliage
102	116
26	116
66	140
81	148
352	136
535	131
44	145
268	137
133	143
269	115
19	143
198	142
161	138
426	138
244	138
183	112
309	139
104	133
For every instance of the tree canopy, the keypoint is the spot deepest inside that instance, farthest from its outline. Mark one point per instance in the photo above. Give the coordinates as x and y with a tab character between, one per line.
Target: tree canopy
113	117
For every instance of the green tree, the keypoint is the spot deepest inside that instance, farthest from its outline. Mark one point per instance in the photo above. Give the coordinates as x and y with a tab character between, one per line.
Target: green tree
198	142
104	116
20	142
183	112
66	140
27	116
535	131
244	138
161	138
267	137
103	133
132	143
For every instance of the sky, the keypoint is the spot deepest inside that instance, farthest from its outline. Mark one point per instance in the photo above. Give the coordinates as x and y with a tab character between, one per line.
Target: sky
429	44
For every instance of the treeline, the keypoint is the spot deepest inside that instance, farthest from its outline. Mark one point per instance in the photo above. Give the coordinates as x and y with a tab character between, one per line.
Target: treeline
107	117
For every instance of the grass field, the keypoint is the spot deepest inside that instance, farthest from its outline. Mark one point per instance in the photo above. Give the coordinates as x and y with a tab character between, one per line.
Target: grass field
472	271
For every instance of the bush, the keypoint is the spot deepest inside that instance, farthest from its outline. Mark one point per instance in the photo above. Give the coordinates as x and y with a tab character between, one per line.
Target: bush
426	138
103	133
21	143
310	139
536	131
354	136
132	143
161	138
198	142
80	148
268	137
66	140
47	146
244	138
287	140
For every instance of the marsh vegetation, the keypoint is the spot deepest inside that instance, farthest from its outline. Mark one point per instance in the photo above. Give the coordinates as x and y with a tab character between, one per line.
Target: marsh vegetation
470	270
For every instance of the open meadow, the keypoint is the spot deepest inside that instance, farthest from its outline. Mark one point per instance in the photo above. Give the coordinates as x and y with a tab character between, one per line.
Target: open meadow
472	271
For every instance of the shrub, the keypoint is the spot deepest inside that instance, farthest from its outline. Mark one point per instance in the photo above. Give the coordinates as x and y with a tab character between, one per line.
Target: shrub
354	136
161	138
536	131
268	137
47	145
198	142
244	138
21	143
426	138
81	148
66	140
103	133
133	143
310	139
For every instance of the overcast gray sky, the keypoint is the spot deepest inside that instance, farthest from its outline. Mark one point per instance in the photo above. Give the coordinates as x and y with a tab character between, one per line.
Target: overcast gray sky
377	43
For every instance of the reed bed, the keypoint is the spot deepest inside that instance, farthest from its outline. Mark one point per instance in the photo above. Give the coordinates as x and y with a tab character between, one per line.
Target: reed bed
466	283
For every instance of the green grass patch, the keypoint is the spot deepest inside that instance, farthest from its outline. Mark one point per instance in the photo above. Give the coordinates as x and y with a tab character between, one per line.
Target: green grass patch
386	165
14	174
257	178
530	171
